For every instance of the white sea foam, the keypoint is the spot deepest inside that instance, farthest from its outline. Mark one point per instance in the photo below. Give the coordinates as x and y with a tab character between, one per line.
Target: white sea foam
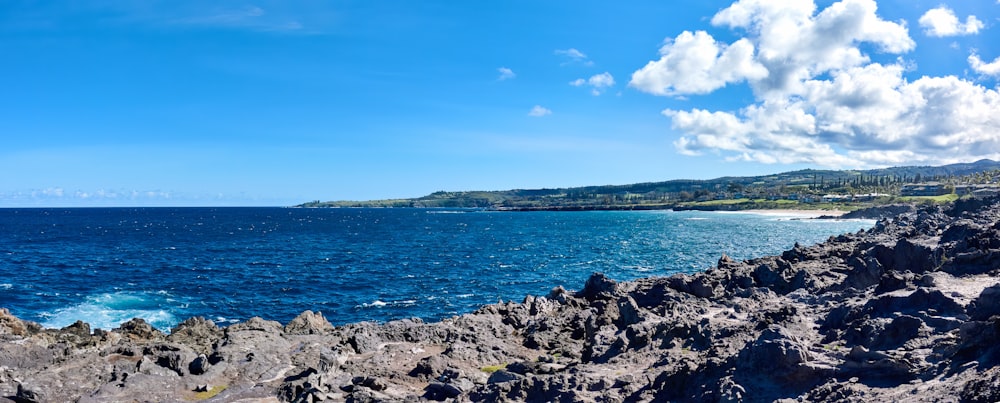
6	286
374	304
108	311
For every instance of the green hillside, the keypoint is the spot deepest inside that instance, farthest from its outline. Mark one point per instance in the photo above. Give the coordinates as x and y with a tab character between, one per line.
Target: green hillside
782	190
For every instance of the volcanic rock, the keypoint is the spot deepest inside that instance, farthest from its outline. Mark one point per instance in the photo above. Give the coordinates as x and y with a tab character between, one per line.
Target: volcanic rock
906	311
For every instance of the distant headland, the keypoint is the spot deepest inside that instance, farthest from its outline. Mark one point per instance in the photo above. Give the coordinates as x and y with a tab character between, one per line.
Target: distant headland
809	189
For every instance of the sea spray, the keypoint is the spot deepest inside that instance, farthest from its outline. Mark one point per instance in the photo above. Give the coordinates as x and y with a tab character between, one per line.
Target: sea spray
108	311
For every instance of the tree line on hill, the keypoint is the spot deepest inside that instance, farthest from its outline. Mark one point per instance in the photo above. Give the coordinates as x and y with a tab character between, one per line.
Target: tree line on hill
807	185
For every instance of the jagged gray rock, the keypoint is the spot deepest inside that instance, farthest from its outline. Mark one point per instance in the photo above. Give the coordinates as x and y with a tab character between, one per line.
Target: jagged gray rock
907	311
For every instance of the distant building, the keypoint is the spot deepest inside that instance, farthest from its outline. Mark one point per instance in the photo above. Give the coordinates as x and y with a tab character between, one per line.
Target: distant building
986	191
867	197
977	190
836	198
924	189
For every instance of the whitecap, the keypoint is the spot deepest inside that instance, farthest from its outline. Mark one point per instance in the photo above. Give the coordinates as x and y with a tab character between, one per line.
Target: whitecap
375	304
221	319
6	286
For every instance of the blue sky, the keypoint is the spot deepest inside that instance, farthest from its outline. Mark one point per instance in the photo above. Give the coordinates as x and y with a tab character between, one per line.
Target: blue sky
274	103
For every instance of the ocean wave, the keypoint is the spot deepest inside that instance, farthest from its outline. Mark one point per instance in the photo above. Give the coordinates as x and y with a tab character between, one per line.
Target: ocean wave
381	304
376	304
110	310
6	286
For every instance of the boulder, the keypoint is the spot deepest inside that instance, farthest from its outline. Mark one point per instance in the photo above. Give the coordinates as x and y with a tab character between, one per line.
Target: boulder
986	304
597	286
197	333
199	365
9	324
308	323
138	330
785	357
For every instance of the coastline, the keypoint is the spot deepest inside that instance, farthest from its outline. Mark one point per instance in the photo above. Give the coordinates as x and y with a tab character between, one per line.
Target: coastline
906	311
797	213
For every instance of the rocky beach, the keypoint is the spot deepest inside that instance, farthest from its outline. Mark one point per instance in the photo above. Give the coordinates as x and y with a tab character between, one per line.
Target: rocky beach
905	311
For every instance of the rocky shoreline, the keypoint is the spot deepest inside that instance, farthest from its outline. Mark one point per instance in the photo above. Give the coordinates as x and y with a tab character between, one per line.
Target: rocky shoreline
906	311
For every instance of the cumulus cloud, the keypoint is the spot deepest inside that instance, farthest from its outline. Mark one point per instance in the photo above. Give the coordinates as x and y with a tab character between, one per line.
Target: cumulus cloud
505	74
694	63
986	68
572	55
868	115
794	45
787	44
601	80
819	98
539	111
942	22
597	82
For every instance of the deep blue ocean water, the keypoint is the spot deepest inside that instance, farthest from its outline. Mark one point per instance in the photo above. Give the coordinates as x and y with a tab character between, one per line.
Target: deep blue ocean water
107	265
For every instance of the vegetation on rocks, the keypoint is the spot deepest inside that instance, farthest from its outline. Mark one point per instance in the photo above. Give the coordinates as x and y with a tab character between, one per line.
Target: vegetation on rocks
803	189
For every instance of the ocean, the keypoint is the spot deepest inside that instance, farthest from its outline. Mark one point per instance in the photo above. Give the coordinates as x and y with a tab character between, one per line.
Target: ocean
107	265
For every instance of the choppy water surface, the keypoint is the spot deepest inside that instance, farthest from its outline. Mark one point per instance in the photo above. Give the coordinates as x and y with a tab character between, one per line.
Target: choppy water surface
105	266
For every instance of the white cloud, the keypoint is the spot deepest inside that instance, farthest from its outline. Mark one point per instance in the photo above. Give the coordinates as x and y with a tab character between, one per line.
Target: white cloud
601	80
942	22
871	114
818	97
597	82
987	68
505	74
539	111
572	55
697	64
793	45
787	44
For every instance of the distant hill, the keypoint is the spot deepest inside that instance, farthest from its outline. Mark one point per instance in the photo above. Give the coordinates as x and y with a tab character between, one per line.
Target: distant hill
786	185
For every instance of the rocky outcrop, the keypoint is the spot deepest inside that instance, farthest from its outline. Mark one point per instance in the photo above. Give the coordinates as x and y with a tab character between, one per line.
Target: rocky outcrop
879	212
906	311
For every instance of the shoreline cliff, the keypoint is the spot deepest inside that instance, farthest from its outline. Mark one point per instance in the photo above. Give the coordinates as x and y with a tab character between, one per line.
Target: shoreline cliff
906	311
